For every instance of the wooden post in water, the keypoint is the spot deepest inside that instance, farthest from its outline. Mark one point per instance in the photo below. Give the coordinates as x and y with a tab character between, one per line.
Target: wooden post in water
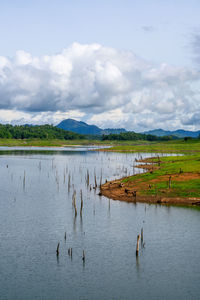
138	243
95	181
100	181
74	202
83	257
142	236
74	198
88	178
65	236
75	209
81	204
57	250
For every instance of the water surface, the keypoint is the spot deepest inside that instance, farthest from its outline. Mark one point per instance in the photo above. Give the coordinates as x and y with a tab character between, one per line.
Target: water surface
36	210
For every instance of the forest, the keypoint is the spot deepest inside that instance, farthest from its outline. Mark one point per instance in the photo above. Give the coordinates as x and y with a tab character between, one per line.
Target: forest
44	132
133	136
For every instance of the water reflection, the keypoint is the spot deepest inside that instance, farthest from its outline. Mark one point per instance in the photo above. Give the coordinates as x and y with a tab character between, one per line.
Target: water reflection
138	265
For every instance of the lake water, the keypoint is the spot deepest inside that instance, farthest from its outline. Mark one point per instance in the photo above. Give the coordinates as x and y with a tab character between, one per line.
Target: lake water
36	210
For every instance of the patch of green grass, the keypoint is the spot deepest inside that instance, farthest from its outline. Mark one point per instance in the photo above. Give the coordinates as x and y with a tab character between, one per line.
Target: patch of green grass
176	146
48	143
173	165
189	188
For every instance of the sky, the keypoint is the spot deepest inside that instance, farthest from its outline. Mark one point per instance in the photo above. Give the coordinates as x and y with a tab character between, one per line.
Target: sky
130	64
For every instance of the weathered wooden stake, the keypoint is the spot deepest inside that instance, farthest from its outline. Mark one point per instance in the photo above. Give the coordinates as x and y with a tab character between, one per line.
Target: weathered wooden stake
81	204
83	257
74	199
100	181
75	210
69	179
138	243
88	178
95	181
142	236
57	250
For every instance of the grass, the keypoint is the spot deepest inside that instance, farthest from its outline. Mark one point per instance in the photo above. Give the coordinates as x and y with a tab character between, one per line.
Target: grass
175	146
59	143
45	143
178	189
184	171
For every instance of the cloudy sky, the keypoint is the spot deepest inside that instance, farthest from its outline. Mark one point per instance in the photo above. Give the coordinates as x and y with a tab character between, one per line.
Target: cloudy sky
113	63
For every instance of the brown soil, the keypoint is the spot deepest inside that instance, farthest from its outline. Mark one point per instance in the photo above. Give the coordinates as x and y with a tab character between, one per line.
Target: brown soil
131	191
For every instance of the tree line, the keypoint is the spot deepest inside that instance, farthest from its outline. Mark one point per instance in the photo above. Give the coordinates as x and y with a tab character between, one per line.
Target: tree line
133	136
37	132
52	132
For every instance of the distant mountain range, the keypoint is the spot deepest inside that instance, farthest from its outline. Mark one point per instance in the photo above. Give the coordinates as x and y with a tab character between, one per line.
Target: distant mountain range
180	133
84	128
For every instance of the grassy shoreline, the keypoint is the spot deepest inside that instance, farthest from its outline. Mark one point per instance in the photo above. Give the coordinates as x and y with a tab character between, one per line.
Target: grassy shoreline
168	180
61	143
45	143
120	146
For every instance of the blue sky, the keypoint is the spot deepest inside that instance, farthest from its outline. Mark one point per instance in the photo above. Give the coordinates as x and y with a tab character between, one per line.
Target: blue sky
158	39
156	30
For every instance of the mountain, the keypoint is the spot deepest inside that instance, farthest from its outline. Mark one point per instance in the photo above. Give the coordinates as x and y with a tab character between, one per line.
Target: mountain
179	133
84	128
79	127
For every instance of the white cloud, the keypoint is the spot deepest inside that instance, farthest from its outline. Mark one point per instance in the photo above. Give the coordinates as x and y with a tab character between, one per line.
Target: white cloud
102	85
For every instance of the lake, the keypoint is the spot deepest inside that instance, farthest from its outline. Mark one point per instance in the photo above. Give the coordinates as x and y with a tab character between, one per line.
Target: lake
36	191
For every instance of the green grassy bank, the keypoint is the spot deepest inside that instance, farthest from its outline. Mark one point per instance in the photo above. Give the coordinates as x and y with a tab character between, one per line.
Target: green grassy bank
184	170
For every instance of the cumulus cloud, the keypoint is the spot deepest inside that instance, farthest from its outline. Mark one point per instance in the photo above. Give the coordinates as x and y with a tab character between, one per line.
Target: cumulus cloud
192	119
98	84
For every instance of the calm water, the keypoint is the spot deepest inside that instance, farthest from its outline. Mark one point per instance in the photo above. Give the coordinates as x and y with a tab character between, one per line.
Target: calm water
36	211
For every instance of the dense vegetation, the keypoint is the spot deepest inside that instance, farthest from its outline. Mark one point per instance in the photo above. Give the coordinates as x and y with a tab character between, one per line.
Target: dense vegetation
133	136
45	132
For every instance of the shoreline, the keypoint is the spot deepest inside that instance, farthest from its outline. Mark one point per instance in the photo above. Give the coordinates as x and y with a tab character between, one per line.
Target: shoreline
134	191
